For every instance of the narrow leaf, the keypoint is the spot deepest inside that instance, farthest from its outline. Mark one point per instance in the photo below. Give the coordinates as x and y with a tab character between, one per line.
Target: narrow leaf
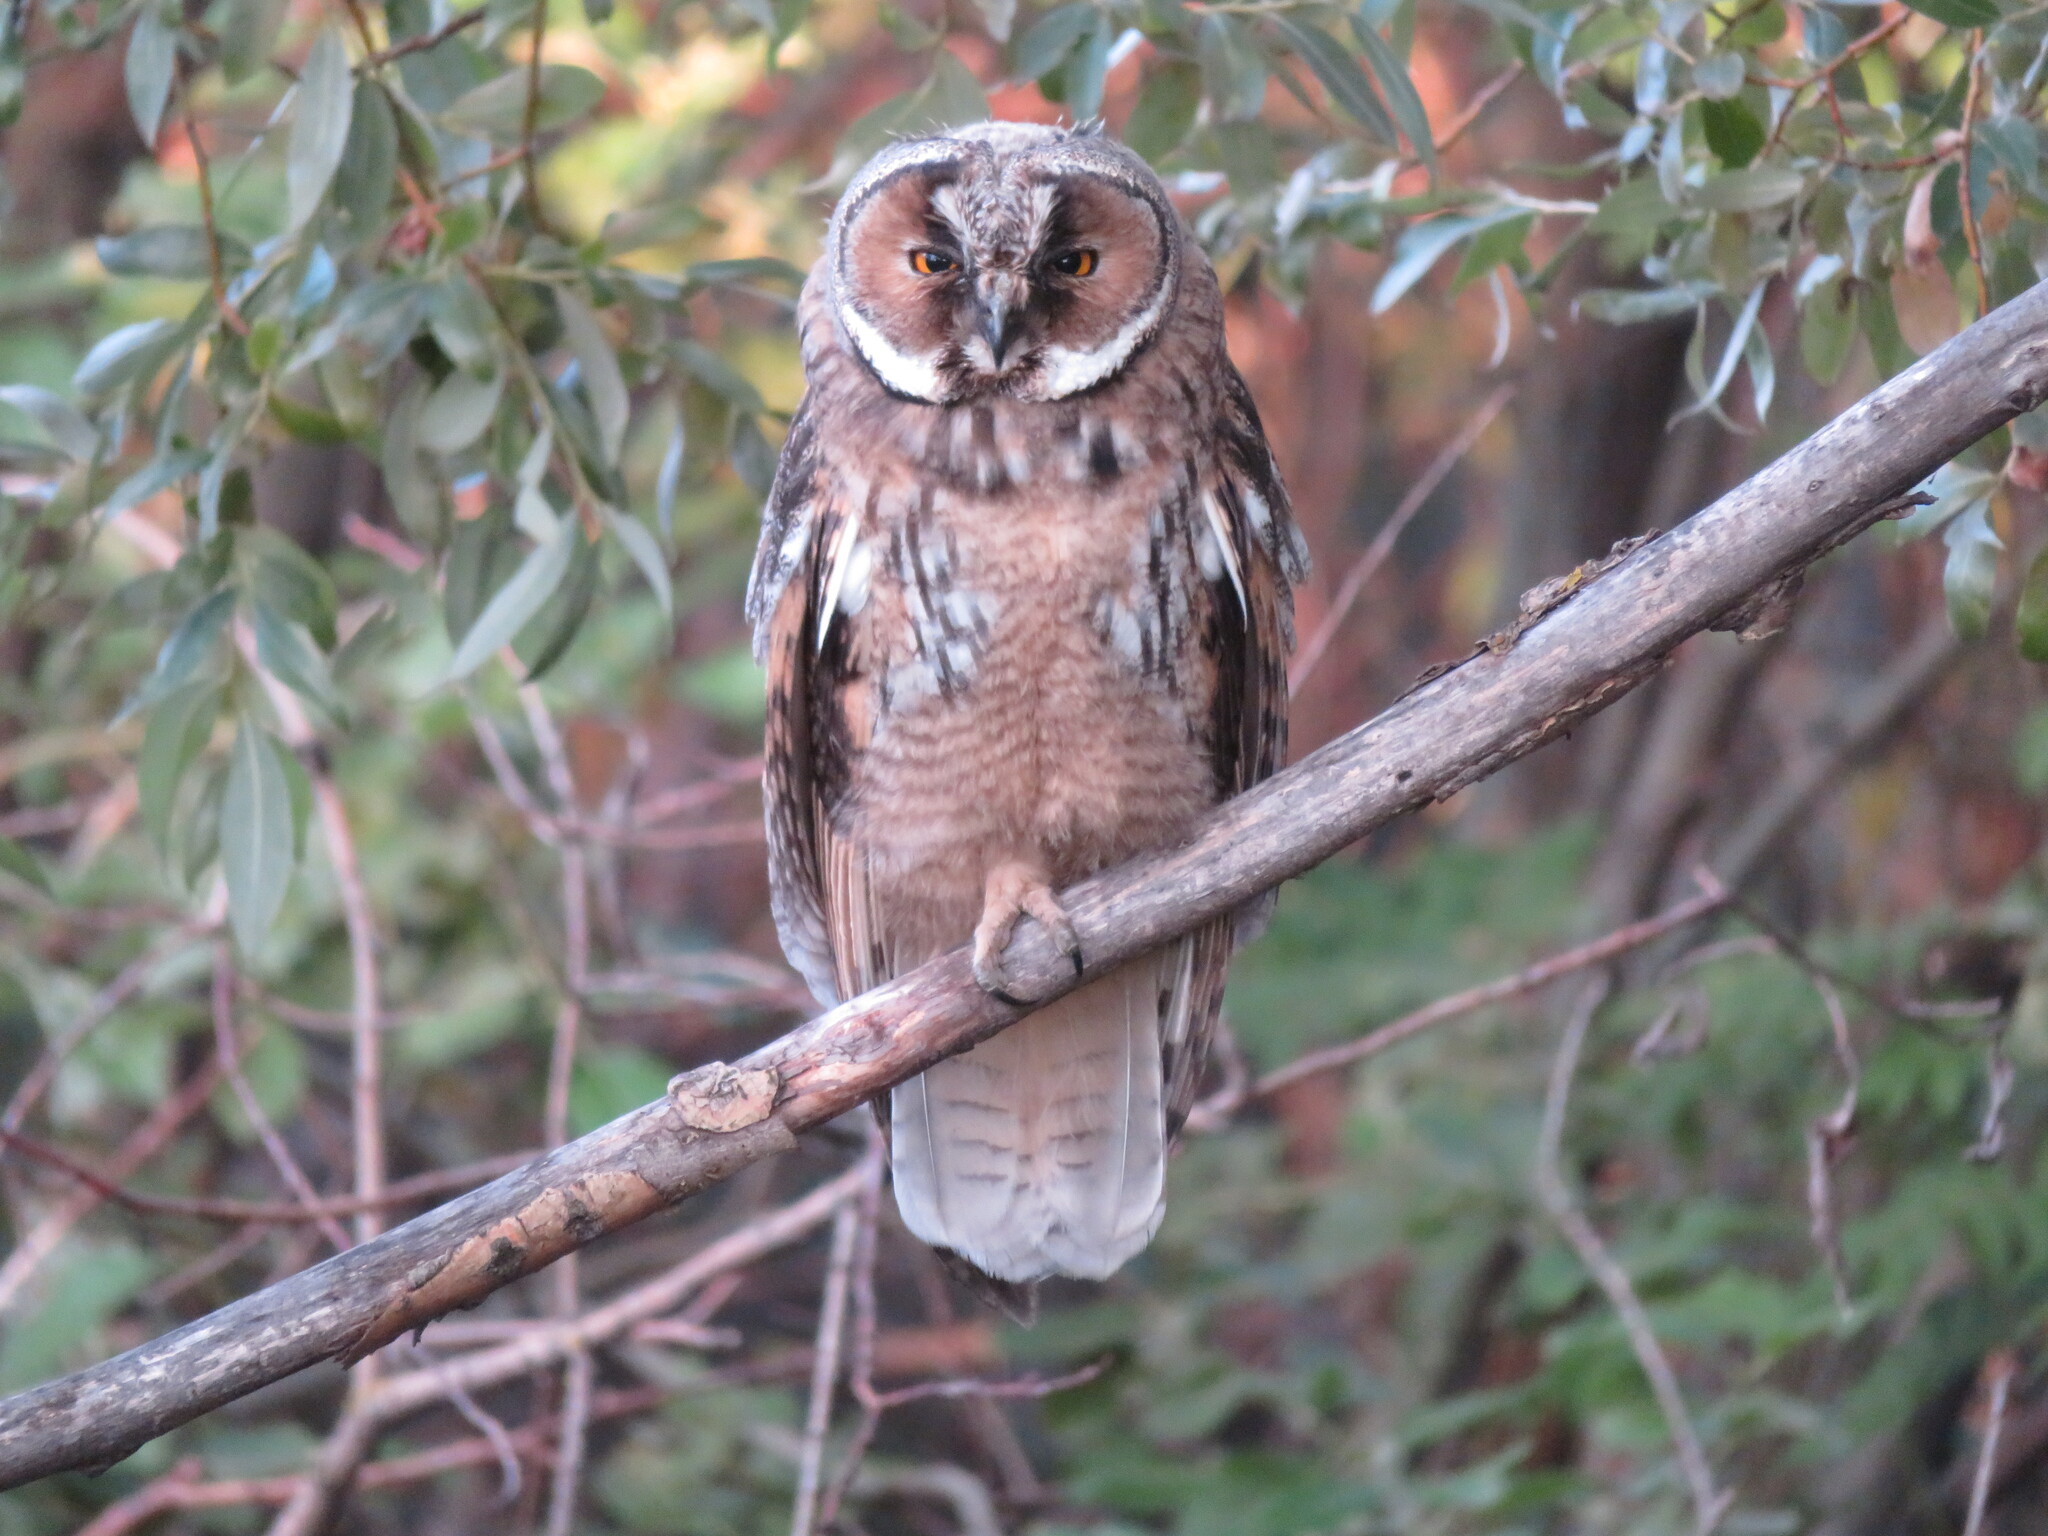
497	108
59	418
603	384
255	835
152	60
647	555
458	410
517	601
178	731
326	95
1340	76
287	652
2030	625
1398	88
183	652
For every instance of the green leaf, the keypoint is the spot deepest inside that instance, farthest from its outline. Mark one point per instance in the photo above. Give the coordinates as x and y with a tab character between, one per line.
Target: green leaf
1746	191
291	581
1233	68
1340	76
158	474
17	861
151	63
373	637
497	108
1166	109
179	729
320	123
255	835
306	423
997	16
1971	573
751	456
1398	88
719	376
464	326
1422	245
123	354
1631	306
248	33
604	386
2030	624
189	645
647	555
1082	77
517	601
287	652
368	173
669	478
1491	247
1045	45
59	419
1733	133
167	250
546	639
1827	329
458	410
1958	13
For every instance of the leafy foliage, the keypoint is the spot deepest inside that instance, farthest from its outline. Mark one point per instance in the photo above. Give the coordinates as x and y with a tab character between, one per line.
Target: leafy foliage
532	262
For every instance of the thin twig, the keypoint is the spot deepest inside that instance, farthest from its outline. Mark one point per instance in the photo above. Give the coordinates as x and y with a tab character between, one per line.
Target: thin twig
228	1047
860	1369
215	267
1382	545
424	1186
1485	97
1827	1142
825	1367
1529	979
1969	210
366	1076
126	983
1999	1372
149	1138
423	42
569	1449
1709	1505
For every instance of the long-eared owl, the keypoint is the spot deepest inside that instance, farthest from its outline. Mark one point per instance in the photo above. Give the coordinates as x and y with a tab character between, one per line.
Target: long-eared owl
1023	594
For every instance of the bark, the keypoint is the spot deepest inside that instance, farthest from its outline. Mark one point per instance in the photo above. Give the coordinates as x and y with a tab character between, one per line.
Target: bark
1595	637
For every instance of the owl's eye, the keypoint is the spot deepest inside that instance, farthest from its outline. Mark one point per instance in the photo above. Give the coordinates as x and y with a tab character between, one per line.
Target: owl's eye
931	263
1075	263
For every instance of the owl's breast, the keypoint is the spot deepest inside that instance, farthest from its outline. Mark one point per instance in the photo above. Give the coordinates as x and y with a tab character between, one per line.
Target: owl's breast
1025	692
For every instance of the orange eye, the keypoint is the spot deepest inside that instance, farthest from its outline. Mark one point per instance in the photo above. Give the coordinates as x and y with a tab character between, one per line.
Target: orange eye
931	263
1076	263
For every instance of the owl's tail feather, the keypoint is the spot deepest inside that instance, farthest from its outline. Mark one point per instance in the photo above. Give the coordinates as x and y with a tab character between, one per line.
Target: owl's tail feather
1042	1151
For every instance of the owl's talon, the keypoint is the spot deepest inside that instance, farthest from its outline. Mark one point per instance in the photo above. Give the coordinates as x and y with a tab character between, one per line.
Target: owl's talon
1017	890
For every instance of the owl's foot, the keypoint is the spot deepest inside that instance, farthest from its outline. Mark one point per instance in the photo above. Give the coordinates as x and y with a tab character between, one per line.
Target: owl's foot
1017	890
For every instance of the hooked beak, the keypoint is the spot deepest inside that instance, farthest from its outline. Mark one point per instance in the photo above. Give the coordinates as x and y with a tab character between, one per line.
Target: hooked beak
998	326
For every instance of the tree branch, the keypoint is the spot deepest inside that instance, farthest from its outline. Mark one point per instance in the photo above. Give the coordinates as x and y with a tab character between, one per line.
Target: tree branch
1587	642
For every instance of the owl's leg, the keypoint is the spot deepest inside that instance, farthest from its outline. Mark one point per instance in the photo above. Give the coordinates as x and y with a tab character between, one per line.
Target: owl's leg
1016	889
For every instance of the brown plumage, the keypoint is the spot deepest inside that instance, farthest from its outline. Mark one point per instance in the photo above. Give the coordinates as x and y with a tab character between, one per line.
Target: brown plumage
1023	596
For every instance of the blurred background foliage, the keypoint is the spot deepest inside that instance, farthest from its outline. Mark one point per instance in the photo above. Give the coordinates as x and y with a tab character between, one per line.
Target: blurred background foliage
386	394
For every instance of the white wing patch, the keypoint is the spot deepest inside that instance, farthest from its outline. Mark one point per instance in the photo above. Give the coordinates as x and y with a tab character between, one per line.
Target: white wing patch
1216	553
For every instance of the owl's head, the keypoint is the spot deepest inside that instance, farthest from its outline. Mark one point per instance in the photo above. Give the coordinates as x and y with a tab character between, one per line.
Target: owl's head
1005	258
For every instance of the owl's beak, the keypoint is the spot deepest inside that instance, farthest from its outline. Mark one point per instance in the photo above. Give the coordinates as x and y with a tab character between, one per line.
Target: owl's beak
998	326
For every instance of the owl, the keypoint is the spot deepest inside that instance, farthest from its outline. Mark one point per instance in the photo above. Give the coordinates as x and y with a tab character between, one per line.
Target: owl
1023	598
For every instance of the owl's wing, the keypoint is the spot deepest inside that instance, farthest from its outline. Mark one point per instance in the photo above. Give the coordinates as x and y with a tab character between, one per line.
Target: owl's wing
1240	586
781	603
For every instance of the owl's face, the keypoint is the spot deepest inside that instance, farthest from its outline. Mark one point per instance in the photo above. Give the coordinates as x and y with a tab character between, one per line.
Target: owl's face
1005	258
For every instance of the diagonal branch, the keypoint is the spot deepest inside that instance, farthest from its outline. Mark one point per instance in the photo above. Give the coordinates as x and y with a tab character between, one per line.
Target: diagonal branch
1587	642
